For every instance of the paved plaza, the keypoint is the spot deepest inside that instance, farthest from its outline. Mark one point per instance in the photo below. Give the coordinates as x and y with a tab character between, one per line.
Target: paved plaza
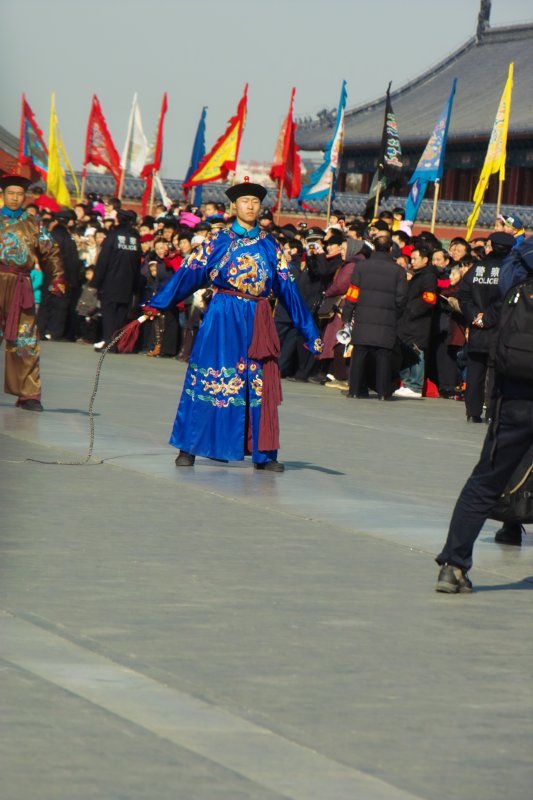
223	634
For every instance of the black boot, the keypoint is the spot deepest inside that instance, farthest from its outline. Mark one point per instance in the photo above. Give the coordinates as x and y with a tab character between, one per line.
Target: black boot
509	533
185	459
270	466
29	405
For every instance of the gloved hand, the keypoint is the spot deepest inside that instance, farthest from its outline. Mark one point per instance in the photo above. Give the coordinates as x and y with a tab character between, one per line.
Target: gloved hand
150	312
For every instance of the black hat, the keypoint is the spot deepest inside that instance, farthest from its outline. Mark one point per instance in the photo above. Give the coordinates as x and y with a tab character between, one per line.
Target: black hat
126	216
289	231
246	189
266	213
14	180
314	234
501	239
65	215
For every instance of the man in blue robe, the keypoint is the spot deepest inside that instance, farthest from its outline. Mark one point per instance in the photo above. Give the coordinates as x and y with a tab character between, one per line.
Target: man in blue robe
232	388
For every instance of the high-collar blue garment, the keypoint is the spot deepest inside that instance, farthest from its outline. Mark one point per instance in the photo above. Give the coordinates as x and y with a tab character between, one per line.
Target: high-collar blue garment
240	231
10	214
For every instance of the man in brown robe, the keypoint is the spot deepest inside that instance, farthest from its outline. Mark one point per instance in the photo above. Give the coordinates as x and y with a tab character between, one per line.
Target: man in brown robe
23	243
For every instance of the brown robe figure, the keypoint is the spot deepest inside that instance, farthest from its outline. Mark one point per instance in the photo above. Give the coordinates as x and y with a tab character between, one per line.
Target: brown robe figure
23	243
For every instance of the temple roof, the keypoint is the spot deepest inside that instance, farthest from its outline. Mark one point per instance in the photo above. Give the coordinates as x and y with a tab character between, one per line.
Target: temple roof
480	67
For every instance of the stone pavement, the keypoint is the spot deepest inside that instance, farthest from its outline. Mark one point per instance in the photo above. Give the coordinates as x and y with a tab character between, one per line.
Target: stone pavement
223	634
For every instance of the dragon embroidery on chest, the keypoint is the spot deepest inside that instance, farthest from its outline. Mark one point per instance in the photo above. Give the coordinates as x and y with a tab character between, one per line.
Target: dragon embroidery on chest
13	248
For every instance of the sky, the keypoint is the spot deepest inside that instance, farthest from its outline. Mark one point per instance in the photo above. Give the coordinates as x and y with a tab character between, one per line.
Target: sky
203	52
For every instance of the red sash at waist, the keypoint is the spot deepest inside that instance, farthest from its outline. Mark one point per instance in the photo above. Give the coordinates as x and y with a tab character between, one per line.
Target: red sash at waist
265	347
21	299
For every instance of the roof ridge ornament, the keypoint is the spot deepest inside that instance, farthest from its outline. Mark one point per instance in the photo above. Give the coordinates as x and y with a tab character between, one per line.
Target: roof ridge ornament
483	18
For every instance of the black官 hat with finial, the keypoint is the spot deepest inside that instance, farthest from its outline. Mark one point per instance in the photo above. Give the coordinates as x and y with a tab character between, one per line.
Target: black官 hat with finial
246	189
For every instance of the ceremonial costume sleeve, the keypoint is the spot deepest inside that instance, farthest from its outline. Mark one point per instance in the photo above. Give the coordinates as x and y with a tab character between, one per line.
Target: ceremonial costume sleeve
49	257
192	275
287	291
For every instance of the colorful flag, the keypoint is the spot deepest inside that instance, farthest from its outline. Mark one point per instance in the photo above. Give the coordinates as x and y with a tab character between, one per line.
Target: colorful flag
198	152
223	156
154	156
32	148
322	181
286	168
431	163
55	182
390	164
100	150
136	146
496	152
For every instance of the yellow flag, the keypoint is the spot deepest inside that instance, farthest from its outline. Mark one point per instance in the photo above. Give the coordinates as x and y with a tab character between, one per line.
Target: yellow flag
496	152
55	184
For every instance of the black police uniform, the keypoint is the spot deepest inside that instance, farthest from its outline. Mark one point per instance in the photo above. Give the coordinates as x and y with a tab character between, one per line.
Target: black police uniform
508	440
479	293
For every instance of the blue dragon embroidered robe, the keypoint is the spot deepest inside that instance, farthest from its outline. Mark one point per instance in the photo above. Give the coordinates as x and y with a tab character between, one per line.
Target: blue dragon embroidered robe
223	386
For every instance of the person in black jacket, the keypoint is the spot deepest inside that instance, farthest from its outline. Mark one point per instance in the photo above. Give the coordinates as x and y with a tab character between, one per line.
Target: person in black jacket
57	314
116	275
414	327
323	261
480	303
377	294
508	440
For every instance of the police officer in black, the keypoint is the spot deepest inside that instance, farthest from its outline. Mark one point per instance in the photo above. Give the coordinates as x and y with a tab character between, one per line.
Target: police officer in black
480	302
508	440
116	274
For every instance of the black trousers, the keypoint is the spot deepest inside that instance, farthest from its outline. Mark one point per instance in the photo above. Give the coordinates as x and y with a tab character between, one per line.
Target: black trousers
114	316
511	440
446	363
479	380
53	313
288	339
382	360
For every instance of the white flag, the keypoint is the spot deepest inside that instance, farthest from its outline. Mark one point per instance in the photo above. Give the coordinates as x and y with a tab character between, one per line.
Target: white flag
136	147
161	189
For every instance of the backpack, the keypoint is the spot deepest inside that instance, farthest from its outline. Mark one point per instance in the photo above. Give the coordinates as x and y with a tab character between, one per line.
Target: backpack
513	356
516	502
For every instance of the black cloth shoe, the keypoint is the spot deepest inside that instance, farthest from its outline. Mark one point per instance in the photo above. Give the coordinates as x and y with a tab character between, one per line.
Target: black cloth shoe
30	405
509	533
452	580
185	459
270	466
474	419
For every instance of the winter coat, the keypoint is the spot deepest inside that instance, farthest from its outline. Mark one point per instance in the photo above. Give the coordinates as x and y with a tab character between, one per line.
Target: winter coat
116	271
479	293
378	292
414	326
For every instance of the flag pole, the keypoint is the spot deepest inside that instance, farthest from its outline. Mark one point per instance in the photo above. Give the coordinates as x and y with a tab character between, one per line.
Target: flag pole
121	183
280	193
378	192
152	192
499	200
435	203
82	188
330	197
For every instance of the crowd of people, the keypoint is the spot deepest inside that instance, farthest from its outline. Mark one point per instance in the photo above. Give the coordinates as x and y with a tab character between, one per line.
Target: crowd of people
422	327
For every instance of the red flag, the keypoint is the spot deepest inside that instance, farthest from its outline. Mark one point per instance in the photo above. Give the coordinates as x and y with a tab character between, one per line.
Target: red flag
286	167
154	156
155	153
223	156
99	148
32	148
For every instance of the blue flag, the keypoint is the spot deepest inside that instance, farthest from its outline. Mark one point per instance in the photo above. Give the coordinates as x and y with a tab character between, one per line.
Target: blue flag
198	152
431	164
322	181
